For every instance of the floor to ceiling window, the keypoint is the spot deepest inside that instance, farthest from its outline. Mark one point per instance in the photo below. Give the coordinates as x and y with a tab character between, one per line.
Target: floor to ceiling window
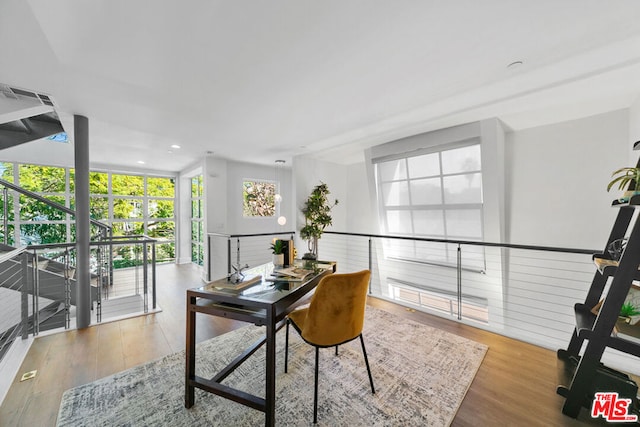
133	204
197	220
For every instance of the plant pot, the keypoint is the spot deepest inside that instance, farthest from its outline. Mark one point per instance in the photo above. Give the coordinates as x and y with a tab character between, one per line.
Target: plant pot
278	260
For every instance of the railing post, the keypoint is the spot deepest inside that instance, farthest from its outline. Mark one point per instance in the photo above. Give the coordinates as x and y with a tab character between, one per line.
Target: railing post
153	273
209	256
459	268
145	277
100	264
25	296
228	256
36	294
238	252
67	288
5	219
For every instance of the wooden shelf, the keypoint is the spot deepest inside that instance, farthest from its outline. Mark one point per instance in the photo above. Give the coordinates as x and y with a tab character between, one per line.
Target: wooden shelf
581	376
605	266
633	202
608	267
585	320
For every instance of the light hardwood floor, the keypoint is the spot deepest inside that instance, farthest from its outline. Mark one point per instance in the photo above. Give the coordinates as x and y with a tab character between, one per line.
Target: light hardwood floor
515	385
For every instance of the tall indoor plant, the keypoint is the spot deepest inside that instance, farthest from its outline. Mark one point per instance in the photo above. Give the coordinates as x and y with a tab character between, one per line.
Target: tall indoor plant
317	216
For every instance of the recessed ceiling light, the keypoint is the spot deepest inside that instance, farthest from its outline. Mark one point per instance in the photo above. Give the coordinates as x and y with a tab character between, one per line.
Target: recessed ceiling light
141	162
515	64
175	146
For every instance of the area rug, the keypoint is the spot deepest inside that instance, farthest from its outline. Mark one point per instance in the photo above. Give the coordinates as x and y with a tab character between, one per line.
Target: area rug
421	375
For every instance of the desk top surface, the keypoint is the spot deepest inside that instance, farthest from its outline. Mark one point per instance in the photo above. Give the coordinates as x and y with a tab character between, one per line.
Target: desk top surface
260	285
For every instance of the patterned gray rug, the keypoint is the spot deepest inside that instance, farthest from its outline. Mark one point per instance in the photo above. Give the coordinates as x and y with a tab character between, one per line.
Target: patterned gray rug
421	375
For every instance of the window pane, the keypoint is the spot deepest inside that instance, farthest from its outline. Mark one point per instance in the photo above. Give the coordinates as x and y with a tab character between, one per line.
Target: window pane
160	187
392	170
127	185
36	234
464	223
127	208
10	234
9	206
195	231
98	183
399	222
395	194
463	188
465	159
196	186
128	228
196	211
426	191
428	223
6	171
161	208
34	210
165	252
258	198
425	165
161	230
99	208
127	256
43	179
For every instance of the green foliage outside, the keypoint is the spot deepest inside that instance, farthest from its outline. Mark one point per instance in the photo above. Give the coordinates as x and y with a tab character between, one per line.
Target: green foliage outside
41	223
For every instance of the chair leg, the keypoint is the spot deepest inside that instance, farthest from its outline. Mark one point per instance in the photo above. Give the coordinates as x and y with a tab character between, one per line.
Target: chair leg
286	347
366	361
315	390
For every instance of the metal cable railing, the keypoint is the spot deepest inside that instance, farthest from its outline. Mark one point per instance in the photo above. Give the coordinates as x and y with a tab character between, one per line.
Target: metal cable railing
524	292
38	285
225	250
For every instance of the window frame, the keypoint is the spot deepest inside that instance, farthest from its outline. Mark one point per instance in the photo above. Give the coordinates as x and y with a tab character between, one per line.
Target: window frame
412	251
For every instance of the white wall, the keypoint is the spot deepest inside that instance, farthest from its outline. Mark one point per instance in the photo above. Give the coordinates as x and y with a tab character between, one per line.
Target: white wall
238	224
557	177
361	209
634	126
309	172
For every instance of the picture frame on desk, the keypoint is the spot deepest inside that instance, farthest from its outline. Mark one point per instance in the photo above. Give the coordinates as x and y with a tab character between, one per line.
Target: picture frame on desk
289	252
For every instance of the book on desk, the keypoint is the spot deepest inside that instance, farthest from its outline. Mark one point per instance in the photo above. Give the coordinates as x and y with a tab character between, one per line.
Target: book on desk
225	283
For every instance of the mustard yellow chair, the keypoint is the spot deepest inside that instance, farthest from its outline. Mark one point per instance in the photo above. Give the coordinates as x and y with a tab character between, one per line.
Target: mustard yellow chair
335	316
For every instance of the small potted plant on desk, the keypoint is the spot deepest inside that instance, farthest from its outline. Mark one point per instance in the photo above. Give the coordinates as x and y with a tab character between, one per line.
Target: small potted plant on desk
277	249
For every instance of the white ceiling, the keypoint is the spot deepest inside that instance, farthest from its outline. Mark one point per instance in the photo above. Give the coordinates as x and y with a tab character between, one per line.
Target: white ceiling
263	80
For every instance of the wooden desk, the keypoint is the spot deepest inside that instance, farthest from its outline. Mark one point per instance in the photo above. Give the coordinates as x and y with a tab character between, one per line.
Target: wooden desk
264	304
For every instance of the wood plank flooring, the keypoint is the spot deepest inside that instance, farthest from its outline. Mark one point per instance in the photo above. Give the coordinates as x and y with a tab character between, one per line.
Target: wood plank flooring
515	385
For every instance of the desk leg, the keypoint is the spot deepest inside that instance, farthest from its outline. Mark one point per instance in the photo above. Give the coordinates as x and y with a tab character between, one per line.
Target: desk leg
270	393
190	354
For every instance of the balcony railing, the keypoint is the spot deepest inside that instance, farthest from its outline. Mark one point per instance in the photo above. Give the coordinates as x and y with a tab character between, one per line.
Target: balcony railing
38	282
520	291
38	285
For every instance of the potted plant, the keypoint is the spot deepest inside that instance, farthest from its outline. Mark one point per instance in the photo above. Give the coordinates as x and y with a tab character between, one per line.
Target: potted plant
317	216
277	249
623	178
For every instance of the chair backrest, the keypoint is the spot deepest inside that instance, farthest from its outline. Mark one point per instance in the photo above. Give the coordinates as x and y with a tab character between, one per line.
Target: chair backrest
336	310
